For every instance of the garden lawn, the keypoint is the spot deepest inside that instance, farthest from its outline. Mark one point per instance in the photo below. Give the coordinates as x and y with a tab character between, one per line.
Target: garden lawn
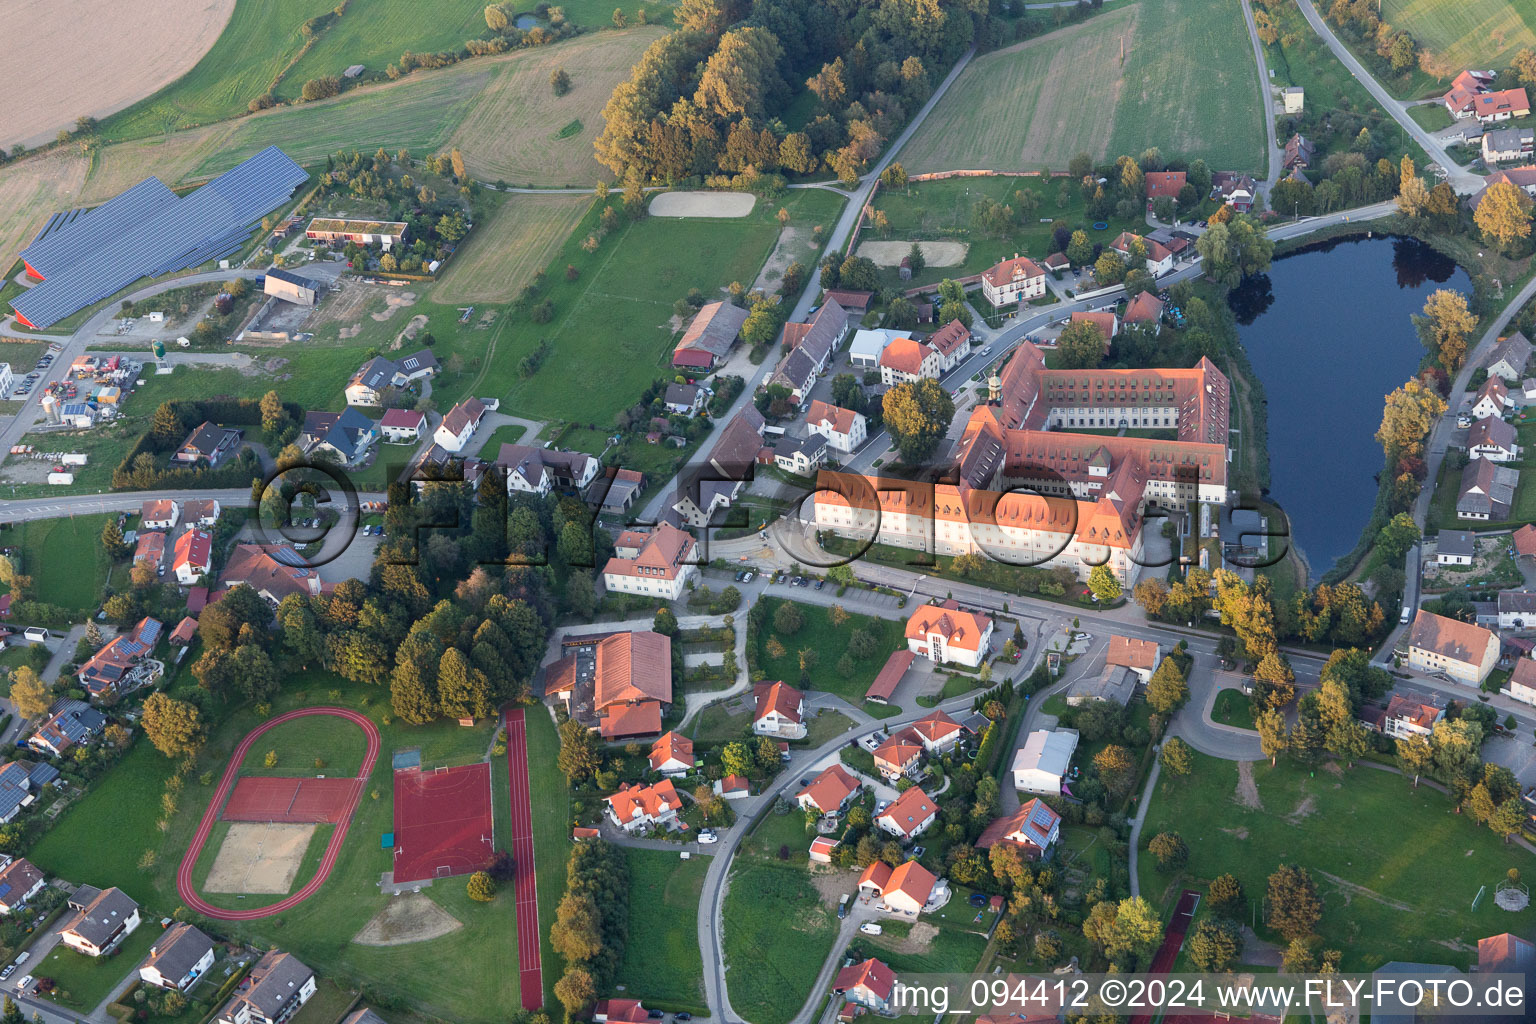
318	375
951	950
715	725
777	935
662	963
299	742
1347	830
1233	708
830	643
327	1005
83	981
1180	77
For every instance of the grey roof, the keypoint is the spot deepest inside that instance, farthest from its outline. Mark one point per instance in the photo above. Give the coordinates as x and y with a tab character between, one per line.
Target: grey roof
1487	489
102	915
1457	542
74	723
376	373
419	362
1492	430
682	394
826	327
1521	601
813	446
278	978
291	277
15	786
796	371
343	430
67	236
1504	139
1047	751
95	256
178	951
714	328
1116	683
1514	350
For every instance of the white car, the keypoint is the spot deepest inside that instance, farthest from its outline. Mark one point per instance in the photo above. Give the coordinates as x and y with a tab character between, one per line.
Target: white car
705	838
25	983
870	928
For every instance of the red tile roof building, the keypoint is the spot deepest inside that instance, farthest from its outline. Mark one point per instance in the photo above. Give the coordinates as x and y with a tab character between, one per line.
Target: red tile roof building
1033	827
910	815
949	633
1018	280
639	808
952	342
632	684
905	360
672	754
1466	87
1164	183
869	984
830	791
779	710
889	676
900	755
1465	652
660	566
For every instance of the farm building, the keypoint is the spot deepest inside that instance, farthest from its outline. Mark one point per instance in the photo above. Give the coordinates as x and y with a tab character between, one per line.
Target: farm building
81	257
291	287
386	233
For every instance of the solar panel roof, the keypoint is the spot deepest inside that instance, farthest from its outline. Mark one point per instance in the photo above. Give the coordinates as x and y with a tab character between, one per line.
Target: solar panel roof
120	242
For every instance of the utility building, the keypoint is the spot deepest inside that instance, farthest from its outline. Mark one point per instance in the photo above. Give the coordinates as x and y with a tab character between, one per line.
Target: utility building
291	287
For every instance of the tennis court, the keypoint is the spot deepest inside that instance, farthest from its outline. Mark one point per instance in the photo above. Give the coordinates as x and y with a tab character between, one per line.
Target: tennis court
290	800
442	822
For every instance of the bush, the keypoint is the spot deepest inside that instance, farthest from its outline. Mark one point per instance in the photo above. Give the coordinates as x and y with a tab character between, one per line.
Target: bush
481	887
320	88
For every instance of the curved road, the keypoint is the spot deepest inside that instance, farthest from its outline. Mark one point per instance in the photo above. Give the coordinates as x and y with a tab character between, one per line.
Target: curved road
184	884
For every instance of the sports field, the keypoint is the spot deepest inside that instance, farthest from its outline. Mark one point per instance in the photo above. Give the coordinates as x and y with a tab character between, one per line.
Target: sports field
1180	77
258	857
498	110
508	247
1469	33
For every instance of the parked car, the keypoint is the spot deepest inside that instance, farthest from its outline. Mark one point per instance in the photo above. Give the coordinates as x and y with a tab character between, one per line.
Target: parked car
7	972
24	983
820	584
870	928
705	838
657	1014
682	1016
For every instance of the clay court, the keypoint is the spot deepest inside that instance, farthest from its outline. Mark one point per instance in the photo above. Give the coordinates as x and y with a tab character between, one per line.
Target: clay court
703	204
290	800
935	254
258	858
442	822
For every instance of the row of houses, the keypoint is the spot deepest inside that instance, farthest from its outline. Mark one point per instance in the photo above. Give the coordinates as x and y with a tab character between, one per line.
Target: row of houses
1470	96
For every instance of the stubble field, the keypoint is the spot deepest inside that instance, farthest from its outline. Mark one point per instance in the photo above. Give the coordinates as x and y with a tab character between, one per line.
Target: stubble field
504	254
1470	33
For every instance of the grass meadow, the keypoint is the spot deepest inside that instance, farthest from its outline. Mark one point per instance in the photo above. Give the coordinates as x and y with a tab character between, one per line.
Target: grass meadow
830	643
65	559
297	743
662	962
469	974
516	241
1469	33
1180	77
1346	828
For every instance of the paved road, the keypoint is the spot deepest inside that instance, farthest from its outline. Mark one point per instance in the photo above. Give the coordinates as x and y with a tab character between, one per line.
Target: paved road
1266	100
1461	180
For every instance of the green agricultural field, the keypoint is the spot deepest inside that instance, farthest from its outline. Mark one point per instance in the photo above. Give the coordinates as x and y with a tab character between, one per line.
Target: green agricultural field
65	560
1180	77
1468	33
297	743
778	933
830	644
1347	830
662	963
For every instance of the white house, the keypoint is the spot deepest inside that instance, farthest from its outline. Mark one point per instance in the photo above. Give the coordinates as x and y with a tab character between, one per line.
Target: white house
939	732
640	808
1492	438
685	399
779	711
1463	651
1509	358
830	791
460	424
1517	610
672	755
909	816
403	426
1159	258
868	344
1041	764
1034	828
1492	399
844	429
542	470
7	380
201	512
659	563
868	984
948	633
905	360
1522	681
178	958
1455	547
159	514
1017	280
20	881
275	989
905	891
1410	716
800	455
103	918
193	556
1140	656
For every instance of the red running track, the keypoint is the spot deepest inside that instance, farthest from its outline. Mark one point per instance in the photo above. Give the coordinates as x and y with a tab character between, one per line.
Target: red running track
530	970
1173	941
188	891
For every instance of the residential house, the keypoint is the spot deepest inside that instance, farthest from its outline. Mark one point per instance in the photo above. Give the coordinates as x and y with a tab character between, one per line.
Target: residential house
1040	766
620	1011
869	984
149	549
632	683
697	502
1465	652
372	379
948	633
159	514
20	783
1456	547
735	452
1506	144
800	455
906	890
905	360
1165	183
69	723
796	373
830	791
1509	357
533	470
1466	87
207	445
185	630
1487	491
460	424
192	557
1522	681
1298	153
417	365
685	399
1159	260
1525	540
345	435
403	426
641	808
19	882
821	335
1105	320
909	816
899	756
733	787
672	755
1493	439
1145	308
710	335
659	563
1294	98
1018	280
1492	107
1140	656
1409	716
938	732
1523	178
844	429
201	512
952	342
103	918
1113	683
180	956
1034	828
779	711
619	491
272	570
111	671
1517	610
1236	190
1492	399
273	991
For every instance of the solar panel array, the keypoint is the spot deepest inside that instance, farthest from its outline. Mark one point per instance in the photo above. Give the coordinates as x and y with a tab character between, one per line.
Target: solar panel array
120	242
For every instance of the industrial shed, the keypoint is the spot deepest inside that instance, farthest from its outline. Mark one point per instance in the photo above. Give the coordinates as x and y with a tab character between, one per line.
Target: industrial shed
291	287
82	258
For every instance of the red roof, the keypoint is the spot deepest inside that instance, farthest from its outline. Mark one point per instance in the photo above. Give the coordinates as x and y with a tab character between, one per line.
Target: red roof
1020	268
1525	540
1105	322
959	628
871	975
406	419
828	790
1144	308
1164	183
910	810
672	747
650	801
905	356
194	549
936	726
841	419
949	337
1507	101
780	697
735	784
885	683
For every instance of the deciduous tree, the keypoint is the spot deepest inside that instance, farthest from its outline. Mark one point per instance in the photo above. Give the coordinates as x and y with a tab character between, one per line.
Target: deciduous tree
173	726
917	414
1293	906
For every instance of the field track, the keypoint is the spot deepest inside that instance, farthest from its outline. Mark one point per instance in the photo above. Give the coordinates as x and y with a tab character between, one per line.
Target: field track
185	886
530	968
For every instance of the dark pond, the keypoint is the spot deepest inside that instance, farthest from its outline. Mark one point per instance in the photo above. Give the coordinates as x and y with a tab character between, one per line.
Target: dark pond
525	21
1328	331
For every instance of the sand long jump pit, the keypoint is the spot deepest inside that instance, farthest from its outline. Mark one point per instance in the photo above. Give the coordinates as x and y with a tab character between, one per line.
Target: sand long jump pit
259	857
935	254
703	204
